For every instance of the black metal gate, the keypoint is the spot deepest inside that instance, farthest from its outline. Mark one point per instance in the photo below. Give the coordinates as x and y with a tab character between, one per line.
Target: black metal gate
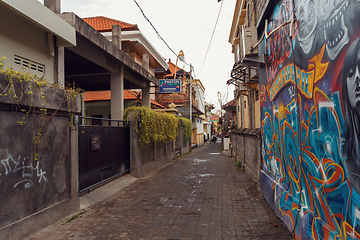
104	153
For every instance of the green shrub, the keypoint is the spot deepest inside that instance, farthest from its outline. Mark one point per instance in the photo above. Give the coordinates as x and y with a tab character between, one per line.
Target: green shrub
157	126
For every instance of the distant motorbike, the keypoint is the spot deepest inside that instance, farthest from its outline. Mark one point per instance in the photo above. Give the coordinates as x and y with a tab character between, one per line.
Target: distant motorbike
213	140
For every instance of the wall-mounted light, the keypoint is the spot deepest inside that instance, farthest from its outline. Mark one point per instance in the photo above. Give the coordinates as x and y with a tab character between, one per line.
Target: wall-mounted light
76	120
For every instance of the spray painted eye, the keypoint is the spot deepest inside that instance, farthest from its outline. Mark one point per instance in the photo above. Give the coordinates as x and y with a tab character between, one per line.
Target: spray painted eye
351	73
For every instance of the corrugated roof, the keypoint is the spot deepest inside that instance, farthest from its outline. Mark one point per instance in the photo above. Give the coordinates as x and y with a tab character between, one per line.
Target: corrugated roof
104	24
90	96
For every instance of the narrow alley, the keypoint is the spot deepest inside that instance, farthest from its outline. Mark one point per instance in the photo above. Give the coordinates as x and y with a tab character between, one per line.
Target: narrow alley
200	195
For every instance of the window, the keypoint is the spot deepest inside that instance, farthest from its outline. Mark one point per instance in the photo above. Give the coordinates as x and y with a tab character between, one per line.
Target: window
244	104
257	95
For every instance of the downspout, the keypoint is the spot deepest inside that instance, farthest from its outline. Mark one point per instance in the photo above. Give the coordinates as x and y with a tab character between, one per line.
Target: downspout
242	110
251	106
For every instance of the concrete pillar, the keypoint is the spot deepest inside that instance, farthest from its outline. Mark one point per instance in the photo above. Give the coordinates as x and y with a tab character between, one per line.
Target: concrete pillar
117	95
61	66
152	91
116	35
53	5
146	91
146	97
145	61
58	53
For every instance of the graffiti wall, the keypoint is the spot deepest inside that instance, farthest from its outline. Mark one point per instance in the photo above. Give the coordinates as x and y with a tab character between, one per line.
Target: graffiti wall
310	103
38	158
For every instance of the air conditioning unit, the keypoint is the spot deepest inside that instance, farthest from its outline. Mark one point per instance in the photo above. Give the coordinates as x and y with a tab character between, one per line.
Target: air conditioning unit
248	39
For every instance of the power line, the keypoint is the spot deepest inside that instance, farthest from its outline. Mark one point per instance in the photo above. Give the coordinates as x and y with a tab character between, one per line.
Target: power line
212	35
158	34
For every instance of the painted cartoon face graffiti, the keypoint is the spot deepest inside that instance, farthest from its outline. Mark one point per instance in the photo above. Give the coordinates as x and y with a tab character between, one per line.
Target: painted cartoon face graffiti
307	17
311	121
336	33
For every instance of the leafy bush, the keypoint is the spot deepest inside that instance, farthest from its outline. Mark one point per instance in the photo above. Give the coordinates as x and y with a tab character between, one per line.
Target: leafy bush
155	126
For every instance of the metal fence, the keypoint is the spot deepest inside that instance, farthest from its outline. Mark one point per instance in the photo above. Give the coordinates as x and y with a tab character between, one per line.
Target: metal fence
104	151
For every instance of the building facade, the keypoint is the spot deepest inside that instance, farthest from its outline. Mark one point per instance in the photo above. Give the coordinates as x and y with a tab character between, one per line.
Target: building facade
309	97
247	61
191	96
35	46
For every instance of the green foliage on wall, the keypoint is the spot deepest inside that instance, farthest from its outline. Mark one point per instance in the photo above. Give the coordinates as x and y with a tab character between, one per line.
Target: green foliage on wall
155	126
21	85
187	124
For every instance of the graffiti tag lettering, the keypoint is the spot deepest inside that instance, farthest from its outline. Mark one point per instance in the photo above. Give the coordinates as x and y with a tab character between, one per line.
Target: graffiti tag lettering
25	171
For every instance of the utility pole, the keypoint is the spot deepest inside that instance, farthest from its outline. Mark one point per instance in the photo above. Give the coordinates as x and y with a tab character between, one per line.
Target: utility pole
190	87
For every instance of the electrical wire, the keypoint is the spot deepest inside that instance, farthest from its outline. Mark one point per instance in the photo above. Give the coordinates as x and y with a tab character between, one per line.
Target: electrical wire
212	35
158	34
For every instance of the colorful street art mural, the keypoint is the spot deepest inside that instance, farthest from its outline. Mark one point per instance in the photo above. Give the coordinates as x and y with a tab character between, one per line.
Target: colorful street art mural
310	103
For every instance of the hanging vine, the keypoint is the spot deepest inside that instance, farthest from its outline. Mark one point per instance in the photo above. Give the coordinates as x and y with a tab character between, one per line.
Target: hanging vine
154	126
22	86
186	123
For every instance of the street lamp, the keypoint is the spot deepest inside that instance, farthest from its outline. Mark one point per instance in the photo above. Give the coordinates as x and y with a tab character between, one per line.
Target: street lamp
182	58
190	94
220	101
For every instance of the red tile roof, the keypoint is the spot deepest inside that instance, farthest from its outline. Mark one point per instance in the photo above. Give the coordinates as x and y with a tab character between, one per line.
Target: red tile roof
104	24
172	69
232	103
90	96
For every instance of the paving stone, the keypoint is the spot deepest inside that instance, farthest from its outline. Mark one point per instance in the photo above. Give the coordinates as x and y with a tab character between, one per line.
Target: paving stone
197	196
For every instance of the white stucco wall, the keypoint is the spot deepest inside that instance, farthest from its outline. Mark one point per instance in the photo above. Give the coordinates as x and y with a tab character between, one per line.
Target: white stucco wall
23	39
24	32
199	125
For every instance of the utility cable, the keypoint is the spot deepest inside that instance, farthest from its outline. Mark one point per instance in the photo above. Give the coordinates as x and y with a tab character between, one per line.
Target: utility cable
158	34
212	35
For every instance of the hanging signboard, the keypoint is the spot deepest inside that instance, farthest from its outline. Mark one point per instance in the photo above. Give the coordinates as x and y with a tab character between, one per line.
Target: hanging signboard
214	118
169	85
95	142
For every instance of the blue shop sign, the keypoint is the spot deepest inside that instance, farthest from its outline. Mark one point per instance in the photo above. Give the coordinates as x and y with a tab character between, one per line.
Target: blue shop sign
170	86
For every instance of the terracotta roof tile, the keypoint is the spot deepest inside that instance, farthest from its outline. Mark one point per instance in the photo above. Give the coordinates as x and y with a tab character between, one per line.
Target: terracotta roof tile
97	96
104	24
90	96
232	103
172	69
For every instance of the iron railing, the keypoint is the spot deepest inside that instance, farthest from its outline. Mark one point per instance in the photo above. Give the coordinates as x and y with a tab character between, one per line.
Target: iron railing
89	121
99	176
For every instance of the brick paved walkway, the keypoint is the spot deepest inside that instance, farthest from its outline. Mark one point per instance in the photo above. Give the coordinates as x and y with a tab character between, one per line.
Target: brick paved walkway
198	196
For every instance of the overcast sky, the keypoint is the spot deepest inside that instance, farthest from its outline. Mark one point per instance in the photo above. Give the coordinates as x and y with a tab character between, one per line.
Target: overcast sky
185	25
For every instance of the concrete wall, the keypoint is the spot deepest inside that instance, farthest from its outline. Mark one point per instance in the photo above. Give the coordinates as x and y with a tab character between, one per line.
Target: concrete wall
36	193
245	146
310	118
22	38
259	8
98	108
144	161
